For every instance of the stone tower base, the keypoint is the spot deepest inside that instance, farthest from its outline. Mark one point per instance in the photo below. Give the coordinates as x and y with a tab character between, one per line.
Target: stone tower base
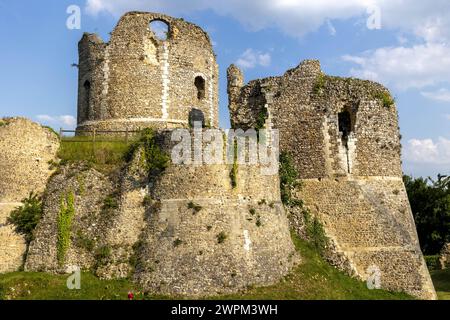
369	220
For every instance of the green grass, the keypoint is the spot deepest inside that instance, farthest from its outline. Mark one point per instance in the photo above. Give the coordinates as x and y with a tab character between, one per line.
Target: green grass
104	155
43	286
441	281
313	279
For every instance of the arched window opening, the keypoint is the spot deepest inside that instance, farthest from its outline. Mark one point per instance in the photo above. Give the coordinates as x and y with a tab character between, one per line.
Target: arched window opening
87	98
160	29
345	124
200	85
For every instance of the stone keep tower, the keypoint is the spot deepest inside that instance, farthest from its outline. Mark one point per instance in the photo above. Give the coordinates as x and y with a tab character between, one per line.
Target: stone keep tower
343	136
139	79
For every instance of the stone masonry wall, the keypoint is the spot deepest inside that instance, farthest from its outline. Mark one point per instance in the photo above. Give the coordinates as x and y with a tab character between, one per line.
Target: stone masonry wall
344	138
137	80
154	236
370	221
26	148
182	251
311	131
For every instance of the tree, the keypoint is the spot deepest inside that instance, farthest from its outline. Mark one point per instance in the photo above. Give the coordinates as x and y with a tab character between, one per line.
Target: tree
430	204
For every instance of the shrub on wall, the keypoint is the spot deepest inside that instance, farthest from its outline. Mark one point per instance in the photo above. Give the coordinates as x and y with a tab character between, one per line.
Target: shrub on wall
154	159
26	217
288	180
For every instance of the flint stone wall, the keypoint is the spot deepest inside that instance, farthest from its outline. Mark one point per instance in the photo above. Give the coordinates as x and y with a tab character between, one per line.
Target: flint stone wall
137	80
26	148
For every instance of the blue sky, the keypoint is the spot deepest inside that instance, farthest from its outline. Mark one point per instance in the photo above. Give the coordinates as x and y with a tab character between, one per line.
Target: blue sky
404	44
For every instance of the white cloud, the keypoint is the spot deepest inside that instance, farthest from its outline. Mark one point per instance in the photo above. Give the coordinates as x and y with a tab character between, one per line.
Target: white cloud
404	67
427	19
427	151
441	95
415	66
331	28
251	59
63	120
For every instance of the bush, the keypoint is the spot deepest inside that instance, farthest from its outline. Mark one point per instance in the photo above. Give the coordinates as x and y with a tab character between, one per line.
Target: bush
315	232
319	84
433	262
153	157
26	217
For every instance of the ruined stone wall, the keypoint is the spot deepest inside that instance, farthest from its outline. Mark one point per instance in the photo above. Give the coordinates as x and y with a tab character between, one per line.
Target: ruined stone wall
370	222
344	138
155	236
304	105
137	80
26	148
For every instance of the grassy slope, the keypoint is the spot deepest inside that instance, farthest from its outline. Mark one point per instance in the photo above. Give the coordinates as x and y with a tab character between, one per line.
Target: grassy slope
104	155
441	280
313	279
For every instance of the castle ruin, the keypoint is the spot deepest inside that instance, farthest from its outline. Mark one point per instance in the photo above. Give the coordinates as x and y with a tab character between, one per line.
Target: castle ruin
342	134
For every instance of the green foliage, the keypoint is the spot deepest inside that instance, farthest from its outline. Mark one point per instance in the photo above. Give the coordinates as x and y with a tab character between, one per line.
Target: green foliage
430	204
46	286
441	281
51	130
65	217
195	207
154	160
313	279
221	237
177	242
252	211
261	118
147	202
26	217
110	202
315	232
84	242
258	221
433	262
288	180
81	184
319	85
105	155
386	99
103	255
234	169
